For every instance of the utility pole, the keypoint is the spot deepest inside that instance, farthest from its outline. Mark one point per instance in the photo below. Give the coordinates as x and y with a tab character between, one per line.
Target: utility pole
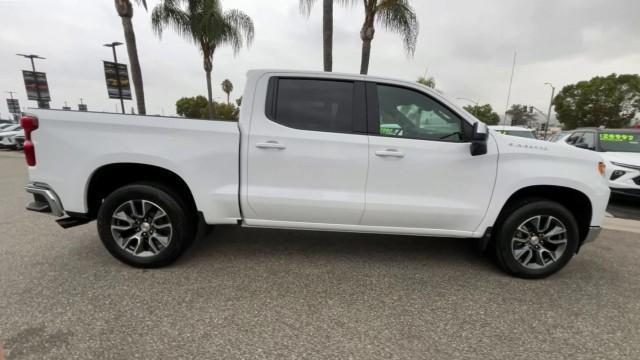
553	92
513	69
35	78
115	60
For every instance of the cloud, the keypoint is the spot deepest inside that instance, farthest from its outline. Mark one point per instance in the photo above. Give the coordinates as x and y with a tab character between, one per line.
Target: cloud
467	45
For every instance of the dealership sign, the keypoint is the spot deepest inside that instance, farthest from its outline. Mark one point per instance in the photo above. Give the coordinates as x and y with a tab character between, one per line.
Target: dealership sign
117	80
36	84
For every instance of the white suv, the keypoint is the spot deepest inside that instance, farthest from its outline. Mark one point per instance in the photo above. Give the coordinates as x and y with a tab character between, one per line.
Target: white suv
620	148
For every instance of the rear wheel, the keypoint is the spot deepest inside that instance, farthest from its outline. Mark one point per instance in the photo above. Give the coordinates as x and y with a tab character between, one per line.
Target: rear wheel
145	225
536	239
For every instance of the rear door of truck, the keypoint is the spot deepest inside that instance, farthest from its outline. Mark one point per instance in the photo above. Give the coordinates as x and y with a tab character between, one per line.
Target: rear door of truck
307	152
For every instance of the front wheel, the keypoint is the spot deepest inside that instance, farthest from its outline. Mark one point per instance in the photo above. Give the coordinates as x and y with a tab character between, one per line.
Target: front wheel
145	225
536	239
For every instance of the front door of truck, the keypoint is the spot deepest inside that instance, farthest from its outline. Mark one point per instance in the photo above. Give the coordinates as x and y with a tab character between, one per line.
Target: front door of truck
421	172
307	153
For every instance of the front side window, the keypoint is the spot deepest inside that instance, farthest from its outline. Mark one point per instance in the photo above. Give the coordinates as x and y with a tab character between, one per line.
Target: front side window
318	105
411	114
589	139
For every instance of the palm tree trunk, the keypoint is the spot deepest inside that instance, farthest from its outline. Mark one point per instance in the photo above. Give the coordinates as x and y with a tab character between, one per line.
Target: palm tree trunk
136	73
366	34
327	34
228	98
209	93
366	54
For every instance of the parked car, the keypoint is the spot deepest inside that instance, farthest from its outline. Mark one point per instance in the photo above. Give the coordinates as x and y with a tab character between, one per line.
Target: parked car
514	131
7	136
5	125
316	151
620	148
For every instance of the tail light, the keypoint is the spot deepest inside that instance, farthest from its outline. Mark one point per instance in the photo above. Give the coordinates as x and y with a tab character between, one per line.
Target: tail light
29	124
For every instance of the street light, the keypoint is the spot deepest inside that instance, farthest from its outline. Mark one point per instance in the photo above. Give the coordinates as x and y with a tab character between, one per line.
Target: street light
33	67
476	102
553	92
115	60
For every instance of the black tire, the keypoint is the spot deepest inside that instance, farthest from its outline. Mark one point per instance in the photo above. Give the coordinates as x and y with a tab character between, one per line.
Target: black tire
516	215
181	217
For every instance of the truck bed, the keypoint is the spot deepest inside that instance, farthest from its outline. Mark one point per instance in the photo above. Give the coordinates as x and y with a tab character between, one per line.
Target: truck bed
203	153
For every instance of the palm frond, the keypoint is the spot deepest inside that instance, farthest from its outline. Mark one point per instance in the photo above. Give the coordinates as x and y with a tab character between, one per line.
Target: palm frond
169	13
305	7
398	16
240	29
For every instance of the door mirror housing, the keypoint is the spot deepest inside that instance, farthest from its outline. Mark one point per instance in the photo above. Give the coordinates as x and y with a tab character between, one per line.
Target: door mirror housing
479	138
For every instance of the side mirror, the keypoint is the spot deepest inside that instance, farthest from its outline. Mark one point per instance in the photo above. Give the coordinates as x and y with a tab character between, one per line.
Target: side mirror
479	138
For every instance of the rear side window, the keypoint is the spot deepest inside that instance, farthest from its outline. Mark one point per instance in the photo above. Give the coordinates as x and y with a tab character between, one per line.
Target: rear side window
310	104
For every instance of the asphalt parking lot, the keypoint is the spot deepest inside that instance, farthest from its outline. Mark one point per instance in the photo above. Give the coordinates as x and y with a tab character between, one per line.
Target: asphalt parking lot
269	294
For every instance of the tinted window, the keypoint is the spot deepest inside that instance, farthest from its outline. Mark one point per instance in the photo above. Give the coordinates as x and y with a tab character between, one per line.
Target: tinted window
588	138
576	136
320	105
620	141
411	114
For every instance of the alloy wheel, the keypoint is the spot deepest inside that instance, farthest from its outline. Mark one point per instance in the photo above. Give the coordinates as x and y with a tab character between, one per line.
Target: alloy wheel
141	228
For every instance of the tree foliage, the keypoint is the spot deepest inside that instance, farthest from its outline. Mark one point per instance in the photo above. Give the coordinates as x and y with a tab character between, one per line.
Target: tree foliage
197	108
227	87
521	116
204	23
397	16
428	81
612	101
484	113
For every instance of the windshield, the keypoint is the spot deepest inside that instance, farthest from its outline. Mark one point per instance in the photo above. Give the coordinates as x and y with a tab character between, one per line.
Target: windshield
620	141
519	133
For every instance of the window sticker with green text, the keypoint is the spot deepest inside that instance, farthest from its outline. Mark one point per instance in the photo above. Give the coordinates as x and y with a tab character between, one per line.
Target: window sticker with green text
617	137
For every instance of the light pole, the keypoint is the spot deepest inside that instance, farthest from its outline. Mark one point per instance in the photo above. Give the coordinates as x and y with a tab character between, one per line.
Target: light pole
115	60
35	79
475	102
553	92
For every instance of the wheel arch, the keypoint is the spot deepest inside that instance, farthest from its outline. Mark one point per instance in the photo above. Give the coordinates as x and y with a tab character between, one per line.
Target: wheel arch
107	178
574	200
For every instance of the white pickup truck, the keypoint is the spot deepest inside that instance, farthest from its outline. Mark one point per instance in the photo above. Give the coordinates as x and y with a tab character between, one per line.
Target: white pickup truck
316	151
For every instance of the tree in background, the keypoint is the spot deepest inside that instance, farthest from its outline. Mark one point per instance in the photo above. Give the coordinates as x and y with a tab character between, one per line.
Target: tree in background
227	87
192	107
521	116
197	107
205	24
612	101
427	81
394	15
327	28
125	11
484	113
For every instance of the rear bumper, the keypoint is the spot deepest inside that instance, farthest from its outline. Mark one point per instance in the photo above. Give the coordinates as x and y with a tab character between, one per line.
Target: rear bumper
45	200
592	234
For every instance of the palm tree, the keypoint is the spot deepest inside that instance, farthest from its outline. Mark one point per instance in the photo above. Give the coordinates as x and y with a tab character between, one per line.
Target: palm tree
395	15
327	28
427	81
227	87
205	24
125	11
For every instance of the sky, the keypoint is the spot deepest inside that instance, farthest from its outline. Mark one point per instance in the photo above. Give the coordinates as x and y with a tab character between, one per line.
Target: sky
467	45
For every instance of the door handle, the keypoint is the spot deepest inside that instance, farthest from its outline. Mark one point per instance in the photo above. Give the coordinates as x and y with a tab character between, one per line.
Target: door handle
271	144
389	153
